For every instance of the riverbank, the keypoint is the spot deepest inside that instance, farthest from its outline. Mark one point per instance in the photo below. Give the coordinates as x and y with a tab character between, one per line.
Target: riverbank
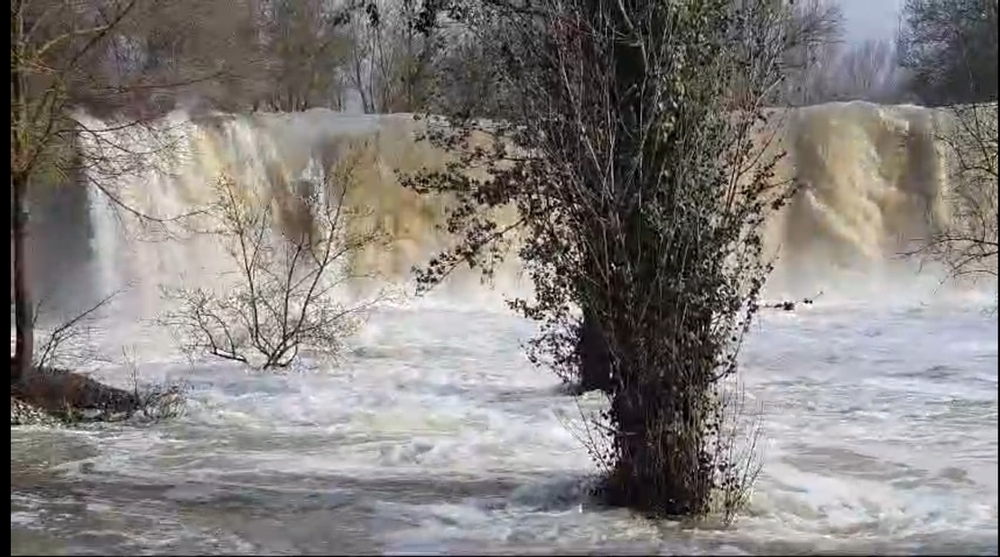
52	397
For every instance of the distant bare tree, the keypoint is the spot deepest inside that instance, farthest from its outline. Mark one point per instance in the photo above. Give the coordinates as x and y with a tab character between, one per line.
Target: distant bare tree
391	61
307	51
868	71
812	29
291	253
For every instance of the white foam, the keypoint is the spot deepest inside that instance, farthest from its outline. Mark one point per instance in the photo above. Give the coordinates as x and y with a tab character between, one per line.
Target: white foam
863	448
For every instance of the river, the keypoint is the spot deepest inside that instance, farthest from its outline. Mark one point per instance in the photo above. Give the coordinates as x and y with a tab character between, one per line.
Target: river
436	435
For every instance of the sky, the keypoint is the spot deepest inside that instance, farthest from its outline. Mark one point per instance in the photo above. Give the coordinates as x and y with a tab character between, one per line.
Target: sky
870	19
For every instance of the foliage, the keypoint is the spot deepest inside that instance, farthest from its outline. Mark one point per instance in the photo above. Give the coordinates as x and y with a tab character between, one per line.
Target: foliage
635	156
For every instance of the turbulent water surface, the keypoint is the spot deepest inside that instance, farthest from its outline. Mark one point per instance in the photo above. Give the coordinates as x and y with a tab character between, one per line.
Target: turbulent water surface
880	435
878	403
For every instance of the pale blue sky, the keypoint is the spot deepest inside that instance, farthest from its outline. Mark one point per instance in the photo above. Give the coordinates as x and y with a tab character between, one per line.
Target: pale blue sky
870	19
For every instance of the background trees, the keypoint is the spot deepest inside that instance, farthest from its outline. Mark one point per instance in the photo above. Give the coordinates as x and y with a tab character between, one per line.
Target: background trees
967	244
949	48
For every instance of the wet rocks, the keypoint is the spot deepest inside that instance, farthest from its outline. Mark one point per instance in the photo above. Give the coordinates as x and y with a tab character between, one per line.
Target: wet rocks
22	413
787	305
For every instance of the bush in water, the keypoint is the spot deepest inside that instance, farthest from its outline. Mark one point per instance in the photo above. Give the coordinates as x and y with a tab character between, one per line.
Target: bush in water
289	251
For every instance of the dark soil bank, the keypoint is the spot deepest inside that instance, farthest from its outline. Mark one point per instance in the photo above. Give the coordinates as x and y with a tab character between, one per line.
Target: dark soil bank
68	397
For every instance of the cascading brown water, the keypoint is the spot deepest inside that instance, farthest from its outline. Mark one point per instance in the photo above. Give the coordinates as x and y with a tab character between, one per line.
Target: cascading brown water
874	178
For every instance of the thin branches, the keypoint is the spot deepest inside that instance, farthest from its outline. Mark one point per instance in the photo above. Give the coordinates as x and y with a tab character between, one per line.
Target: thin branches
290	257
966	245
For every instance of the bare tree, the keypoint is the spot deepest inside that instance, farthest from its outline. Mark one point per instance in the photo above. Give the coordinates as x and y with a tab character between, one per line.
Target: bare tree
813	30
51	43
869	70
306	56
391	60
866	71
61	51
967	243
291	254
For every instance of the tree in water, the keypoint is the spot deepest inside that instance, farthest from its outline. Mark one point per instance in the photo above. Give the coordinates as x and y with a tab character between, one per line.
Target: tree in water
638	157
54	60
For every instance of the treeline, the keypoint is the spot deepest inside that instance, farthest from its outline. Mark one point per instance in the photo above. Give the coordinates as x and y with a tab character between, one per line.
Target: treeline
945	52
382	56
146	57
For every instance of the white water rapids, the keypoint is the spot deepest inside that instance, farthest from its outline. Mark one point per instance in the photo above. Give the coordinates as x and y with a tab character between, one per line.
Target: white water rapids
435	435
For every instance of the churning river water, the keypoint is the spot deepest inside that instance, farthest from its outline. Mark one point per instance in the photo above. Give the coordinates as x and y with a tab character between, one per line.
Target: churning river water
437	436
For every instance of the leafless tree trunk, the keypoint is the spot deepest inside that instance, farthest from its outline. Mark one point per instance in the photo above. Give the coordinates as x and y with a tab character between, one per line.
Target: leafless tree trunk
23	319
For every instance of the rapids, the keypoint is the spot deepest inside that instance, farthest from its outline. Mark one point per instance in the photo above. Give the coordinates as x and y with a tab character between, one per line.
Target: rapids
878	404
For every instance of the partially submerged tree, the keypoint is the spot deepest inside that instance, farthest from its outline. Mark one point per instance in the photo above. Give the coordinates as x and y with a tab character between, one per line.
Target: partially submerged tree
636	154
290	255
